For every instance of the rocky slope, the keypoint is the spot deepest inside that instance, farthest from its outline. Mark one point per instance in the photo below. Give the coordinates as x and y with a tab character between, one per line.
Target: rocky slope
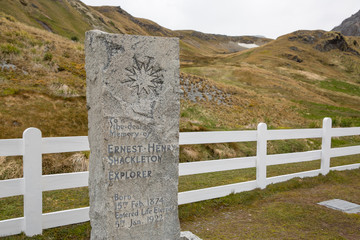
350	26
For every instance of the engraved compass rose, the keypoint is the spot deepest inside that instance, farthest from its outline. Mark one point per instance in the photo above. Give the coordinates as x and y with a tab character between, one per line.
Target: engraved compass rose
144	77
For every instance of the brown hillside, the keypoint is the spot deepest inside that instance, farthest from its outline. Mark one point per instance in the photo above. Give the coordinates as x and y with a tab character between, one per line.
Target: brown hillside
315	73
293	81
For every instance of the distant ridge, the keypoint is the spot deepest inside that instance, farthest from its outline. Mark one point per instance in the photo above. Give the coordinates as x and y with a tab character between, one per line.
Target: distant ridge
350	26
72	18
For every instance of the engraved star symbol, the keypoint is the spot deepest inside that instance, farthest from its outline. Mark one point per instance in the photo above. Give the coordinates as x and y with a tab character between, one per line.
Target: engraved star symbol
143	77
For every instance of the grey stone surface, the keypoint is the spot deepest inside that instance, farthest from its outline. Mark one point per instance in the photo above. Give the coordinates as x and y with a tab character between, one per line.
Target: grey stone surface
350	26
133	110
202	91
187	235
7	66
341	205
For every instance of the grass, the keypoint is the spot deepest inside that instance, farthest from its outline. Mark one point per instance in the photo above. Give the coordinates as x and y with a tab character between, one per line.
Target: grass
9	91
286	210
340	86
48	56
43	112
281	203
341	116
9	49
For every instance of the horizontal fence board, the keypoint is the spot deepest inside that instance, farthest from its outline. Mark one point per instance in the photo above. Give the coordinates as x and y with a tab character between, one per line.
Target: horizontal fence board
65	144
216	165
346	167
285	158
342	132
11	187
214	192
11	226
216	137
344	151
11	147
67	217
286	177
294	133
65	181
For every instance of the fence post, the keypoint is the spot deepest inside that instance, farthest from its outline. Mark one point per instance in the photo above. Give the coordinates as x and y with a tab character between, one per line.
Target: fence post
32	164
326	146
261	152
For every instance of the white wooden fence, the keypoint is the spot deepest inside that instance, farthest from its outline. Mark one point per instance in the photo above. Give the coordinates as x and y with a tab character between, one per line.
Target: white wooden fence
32	146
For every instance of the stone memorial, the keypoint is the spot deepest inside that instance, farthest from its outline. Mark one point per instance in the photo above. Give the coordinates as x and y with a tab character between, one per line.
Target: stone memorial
133	100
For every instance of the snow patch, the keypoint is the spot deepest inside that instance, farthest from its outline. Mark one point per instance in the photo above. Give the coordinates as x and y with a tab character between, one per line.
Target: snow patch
248	45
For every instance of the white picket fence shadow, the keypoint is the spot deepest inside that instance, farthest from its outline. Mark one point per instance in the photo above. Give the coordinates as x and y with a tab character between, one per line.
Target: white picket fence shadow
32	146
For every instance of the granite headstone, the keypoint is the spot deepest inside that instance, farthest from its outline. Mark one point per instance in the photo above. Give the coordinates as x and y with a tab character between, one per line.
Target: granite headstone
133	105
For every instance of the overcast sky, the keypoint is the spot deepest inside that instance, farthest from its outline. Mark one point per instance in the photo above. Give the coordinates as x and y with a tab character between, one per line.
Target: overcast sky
270	18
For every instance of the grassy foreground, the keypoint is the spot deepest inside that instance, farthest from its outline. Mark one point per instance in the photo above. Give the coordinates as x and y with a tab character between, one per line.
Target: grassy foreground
281	211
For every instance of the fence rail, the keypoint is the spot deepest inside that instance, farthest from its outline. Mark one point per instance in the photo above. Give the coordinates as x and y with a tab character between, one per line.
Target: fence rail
32	146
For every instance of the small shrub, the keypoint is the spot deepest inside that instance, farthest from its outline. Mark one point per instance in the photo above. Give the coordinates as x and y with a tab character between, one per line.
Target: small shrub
48	56
75	38
9	49
314	125
10	18
113	24
66	55
345	122
9	91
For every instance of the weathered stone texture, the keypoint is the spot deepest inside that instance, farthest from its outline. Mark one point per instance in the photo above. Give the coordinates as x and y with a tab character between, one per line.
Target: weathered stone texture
133	106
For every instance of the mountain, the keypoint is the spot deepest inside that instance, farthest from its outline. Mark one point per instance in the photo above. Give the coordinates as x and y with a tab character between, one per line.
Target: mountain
72	18
350	26
69	18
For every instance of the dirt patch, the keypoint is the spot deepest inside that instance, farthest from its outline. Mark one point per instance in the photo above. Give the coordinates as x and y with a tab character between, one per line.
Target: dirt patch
308	75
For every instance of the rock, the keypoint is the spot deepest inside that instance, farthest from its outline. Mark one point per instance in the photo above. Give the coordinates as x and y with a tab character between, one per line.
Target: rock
350	26
198	89
294	49
134	104
335	41
304	38
323	41
16	123
7	66
23	2
293	58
